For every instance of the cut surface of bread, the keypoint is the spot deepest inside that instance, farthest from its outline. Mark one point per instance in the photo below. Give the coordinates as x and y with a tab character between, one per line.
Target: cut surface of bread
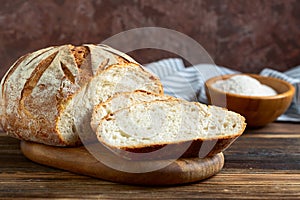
148	126
123	100
118	78
40	85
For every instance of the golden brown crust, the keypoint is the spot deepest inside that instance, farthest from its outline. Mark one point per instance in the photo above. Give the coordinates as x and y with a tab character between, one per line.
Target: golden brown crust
11	71
37	87
80	53
187	149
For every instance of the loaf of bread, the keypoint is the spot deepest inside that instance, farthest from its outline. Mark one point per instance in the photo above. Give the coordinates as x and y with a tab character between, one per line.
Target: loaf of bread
59	95
149	126
39	93
122	100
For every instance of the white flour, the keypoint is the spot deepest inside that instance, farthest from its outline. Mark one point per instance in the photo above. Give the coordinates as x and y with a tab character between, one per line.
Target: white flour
244	85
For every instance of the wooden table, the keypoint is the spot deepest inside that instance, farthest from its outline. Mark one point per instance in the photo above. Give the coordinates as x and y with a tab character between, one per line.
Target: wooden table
262	164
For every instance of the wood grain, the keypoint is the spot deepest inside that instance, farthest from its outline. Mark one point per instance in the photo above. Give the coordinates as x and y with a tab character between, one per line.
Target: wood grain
79	160
256	167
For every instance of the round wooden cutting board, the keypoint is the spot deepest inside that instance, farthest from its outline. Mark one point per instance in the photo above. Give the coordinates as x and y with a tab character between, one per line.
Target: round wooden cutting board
79	160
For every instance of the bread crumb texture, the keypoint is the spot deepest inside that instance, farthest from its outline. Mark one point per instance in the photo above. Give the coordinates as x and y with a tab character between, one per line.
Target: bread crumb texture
166	122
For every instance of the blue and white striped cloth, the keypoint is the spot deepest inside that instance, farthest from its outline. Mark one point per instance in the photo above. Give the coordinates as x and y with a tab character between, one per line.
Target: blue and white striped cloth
188	83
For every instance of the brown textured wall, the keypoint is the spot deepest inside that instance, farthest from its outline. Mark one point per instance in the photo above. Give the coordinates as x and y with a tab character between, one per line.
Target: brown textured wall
245	35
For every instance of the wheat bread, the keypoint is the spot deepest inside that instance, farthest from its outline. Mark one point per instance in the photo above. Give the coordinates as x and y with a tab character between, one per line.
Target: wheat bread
123	100
150	126
39	86
118	78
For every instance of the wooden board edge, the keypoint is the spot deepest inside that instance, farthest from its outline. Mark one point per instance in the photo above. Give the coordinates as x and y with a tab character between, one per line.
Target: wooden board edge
79	160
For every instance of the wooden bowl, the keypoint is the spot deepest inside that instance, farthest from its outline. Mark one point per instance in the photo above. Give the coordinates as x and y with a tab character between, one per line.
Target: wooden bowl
258	110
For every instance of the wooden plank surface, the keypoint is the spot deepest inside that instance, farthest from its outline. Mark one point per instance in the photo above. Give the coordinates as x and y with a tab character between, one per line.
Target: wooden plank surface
161	172
262	164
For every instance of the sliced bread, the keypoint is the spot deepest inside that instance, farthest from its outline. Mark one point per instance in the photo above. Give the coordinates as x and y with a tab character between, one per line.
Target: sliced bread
39	86
123	100
150	126
77	112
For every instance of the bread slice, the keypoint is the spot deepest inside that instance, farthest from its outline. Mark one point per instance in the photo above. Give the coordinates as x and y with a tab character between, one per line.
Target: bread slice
179	125
76	114
123	100
39	86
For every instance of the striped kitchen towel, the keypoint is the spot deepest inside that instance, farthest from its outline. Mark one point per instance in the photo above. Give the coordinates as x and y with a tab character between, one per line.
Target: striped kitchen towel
188	83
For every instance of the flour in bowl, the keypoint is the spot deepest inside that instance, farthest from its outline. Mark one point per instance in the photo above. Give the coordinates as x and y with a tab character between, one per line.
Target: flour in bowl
244	85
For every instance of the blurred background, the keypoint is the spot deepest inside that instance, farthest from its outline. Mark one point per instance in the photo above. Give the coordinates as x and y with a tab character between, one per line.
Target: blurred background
243	35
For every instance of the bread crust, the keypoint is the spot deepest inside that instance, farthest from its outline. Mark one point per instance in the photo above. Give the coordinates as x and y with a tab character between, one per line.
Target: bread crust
175	150
38	85
219	145
200	147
